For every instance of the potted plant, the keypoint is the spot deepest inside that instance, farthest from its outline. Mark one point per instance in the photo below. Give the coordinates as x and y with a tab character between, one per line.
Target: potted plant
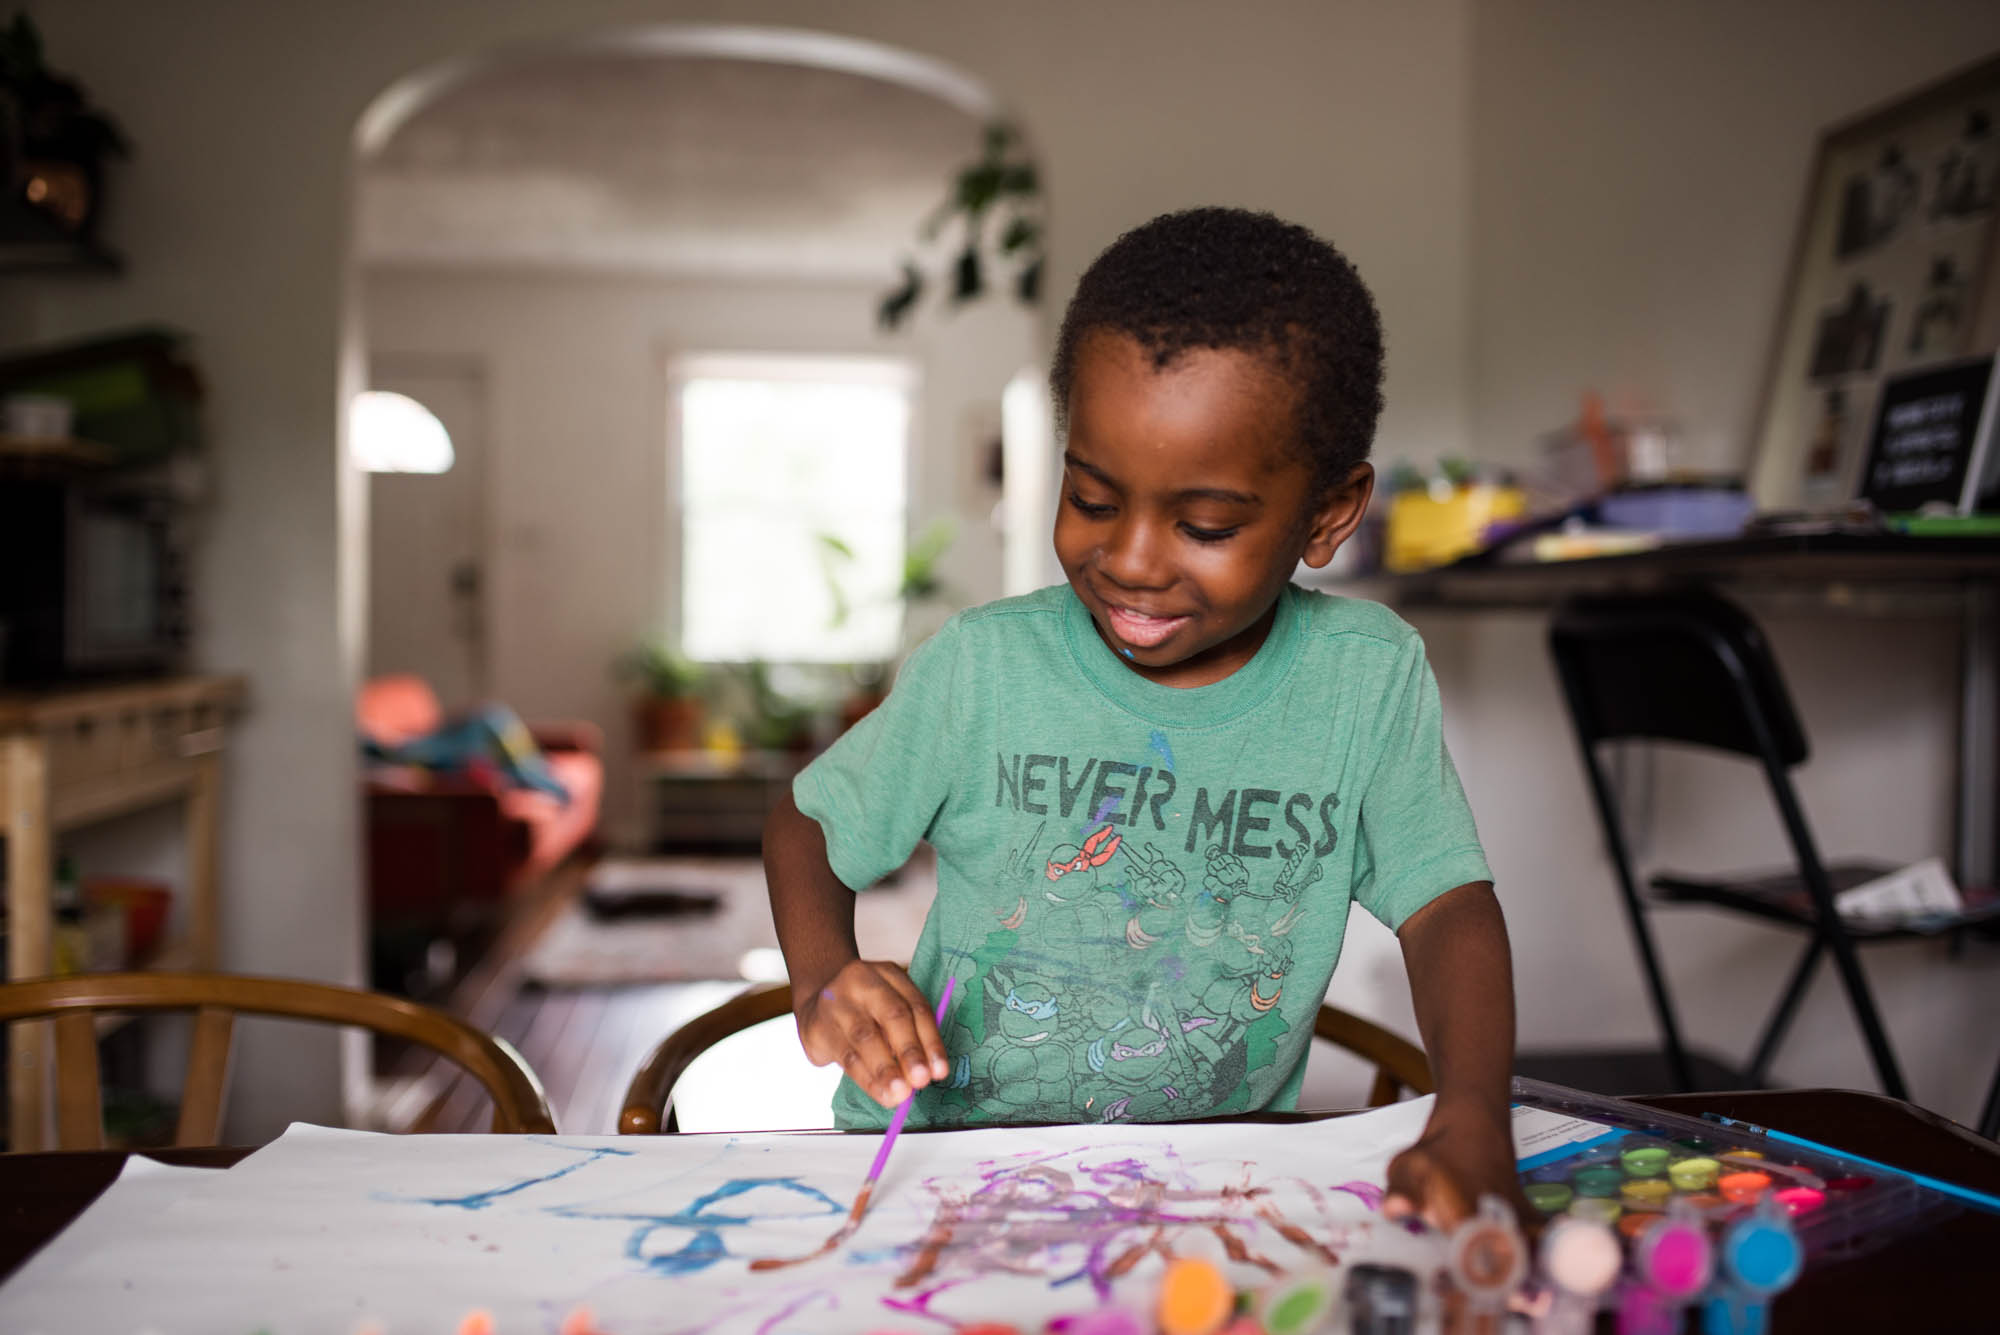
921	591
668	710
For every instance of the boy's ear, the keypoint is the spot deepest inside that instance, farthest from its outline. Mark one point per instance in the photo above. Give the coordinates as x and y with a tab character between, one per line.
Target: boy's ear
1339	514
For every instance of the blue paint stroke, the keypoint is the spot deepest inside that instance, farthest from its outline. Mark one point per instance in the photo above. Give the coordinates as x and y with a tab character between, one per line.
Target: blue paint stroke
707	1247
479	1200
1162	749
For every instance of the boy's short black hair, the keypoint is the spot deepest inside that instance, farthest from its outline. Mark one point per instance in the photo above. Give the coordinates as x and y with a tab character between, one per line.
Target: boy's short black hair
1231	278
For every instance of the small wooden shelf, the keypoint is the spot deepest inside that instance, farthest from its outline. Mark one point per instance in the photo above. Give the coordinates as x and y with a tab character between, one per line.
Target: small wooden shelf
69	757
67	450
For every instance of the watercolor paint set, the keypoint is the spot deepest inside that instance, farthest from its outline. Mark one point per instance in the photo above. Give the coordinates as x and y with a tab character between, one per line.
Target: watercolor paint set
1617	1162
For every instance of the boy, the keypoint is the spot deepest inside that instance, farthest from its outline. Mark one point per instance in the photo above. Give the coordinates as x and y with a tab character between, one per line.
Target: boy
1154	791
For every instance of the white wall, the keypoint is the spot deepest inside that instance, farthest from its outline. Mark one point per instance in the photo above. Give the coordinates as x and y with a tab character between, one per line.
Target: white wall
583	559
1350	117
1636	177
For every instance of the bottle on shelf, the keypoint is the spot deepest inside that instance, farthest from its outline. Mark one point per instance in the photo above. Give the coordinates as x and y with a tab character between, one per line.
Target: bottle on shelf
71	941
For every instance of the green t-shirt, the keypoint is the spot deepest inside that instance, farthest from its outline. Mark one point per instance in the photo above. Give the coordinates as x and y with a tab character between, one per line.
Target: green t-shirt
1142	889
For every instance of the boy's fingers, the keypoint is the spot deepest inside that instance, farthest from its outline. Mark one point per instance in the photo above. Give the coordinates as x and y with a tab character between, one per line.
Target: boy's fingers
873	1066
899	1030
931	1041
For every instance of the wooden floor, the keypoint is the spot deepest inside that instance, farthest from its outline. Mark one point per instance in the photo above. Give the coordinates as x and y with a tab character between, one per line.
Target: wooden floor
585	1043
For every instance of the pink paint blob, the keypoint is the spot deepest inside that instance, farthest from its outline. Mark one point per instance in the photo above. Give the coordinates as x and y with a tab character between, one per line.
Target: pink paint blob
1800	1200
1677	1260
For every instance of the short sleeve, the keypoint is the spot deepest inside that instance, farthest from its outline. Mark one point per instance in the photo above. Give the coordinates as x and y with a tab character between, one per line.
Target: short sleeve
1416	839
877	789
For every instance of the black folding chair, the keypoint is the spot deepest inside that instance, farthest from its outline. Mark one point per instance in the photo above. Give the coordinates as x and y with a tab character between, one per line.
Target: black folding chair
1692	667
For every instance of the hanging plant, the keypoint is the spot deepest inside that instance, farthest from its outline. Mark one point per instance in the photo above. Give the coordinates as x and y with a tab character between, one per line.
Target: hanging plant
997	202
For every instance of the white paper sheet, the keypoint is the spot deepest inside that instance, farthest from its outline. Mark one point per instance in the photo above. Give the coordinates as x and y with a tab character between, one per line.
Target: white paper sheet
332	1232
143	1188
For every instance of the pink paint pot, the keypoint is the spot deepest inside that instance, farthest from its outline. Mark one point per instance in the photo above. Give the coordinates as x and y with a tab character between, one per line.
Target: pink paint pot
1675	1259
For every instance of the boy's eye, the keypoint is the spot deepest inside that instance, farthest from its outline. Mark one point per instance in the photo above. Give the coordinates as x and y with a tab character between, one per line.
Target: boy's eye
1200	534
1095	509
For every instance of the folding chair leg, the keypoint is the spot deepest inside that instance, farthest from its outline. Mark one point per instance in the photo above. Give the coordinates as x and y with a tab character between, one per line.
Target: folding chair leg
1989	1116
1863	1002
1828	928
1759	1073
1642	936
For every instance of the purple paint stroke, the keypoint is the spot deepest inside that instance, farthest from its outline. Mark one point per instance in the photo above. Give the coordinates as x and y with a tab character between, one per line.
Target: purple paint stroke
1367	1193
791	1309
1022	1219
919	1303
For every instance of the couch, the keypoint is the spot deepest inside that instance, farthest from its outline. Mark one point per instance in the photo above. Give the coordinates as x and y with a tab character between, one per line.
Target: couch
447	849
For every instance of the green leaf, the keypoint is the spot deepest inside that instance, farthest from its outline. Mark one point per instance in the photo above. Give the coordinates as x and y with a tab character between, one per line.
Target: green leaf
1028	284
1019	234
1020	179
968	277
897	304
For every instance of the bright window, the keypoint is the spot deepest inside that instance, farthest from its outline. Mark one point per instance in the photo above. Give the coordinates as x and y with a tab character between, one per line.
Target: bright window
793	492
393	433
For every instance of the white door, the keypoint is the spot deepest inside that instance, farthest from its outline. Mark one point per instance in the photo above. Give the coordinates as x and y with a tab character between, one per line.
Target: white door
426	543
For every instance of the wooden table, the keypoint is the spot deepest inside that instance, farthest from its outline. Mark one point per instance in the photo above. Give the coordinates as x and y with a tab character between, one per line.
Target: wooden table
72	756
1933	1280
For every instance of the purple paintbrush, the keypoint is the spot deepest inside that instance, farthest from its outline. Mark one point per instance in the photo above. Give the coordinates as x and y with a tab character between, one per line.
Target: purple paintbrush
846	1230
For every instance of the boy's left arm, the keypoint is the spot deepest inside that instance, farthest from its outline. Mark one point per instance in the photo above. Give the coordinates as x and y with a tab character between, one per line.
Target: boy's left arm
1461	981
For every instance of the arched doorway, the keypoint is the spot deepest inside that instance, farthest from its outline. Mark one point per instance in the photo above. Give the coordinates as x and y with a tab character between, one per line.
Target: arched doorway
550	242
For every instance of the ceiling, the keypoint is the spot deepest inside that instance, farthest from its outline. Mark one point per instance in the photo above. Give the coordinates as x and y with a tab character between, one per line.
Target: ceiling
676	165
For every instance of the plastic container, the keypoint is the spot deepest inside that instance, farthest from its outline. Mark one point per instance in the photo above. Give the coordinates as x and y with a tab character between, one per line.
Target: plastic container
1679	512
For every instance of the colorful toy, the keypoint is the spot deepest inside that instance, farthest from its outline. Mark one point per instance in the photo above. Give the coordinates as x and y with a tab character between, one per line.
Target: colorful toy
1760	1258
1580	1260
1295	1306
1671	1265
1487	1261
1195	1298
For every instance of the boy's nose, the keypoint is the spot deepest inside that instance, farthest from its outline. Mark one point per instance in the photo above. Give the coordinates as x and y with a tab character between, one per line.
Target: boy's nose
1135	557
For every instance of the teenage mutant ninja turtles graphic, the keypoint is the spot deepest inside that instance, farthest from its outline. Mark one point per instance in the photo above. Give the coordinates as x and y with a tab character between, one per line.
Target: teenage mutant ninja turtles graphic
1024	1062
1127	985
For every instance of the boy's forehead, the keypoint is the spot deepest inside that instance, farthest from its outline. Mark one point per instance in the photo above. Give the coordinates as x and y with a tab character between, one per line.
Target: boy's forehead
1231	397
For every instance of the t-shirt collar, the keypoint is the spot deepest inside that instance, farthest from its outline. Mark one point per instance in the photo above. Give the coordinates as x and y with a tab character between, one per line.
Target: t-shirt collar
1185	706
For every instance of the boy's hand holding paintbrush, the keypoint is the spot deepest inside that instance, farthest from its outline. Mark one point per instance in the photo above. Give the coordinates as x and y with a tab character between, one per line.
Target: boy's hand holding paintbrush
864	1014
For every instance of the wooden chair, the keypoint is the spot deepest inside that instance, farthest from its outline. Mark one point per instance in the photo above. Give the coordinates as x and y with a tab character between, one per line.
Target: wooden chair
216	1000
1399	1063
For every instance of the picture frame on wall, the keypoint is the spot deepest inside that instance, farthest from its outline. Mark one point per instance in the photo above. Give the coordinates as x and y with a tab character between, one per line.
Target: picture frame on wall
1893	272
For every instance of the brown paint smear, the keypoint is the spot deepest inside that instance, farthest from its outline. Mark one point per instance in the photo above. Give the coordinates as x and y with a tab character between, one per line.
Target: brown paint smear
840	1235
1239	1252
1297	1236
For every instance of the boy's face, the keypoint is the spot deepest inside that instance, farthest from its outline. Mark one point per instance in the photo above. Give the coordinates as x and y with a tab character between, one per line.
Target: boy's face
1187	507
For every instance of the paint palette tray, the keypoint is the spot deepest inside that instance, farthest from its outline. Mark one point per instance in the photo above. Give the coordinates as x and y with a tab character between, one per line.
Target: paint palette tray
1586	1156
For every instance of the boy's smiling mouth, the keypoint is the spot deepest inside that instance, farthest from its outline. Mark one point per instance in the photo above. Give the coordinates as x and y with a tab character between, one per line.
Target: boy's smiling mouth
1142	629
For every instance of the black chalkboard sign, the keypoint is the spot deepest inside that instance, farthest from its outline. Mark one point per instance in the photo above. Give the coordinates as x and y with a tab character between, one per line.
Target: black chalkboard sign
1932	437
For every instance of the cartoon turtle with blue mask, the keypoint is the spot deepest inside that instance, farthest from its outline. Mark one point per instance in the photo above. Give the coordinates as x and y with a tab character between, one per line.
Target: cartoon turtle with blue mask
1025	1059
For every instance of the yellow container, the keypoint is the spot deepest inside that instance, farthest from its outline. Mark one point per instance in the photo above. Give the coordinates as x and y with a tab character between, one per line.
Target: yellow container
1427	529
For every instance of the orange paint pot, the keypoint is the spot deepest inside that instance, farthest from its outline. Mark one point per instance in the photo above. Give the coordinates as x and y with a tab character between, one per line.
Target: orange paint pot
1632	1225
1744	1188
1195	1298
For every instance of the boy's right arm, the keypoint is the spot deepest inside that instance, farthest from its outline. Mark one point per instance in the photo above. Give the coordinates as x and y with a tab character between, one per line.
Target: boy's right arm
864	1014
